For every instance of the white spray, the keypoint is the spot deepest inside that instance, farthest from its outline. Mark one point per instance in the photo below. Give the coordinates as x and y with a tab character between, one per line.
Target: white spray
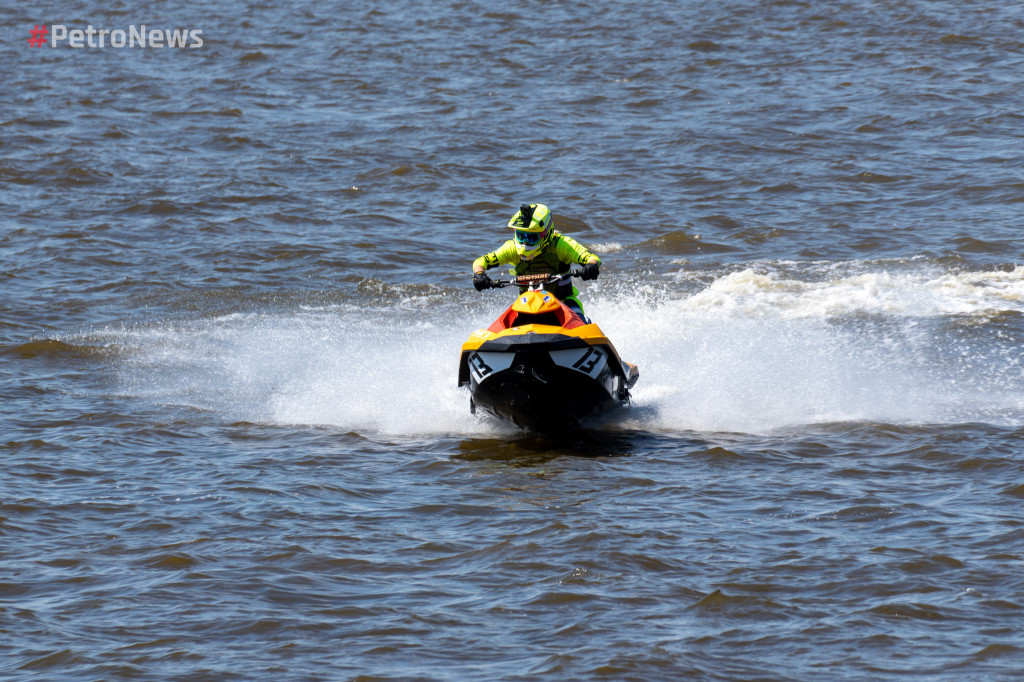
750	352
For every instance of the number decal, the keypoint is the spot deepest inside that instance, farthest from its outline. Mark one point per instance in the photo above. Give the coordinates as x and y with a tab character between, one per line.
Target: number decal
486	364
591	361
586	366
479	366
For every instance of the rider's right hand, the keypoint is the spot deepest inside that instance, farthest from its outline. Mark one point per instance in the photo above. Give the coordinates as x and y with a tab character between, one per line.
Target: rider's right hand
481	281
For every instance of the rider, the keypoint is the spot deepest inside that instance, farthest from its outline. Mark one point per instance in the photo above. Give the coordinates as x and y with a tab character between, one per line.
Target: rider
538	248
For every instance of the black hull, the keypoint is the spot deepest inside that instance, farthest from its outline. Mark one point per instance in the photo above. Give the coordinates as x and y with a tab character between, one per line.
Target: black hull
537	394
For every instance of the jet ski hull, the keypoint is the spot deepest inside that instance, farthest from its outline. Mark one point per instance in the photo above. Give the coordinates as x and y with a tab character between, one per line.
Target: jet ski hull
542	367
545	382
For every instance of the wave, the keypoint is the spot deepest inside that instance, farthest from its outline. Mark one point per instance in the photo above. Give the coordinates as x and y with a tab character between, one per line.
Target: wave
752	292
52	349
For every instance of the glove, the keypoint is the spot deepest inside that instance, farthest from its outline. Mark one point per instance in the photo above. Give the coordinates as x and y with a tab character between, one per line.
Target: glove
591	270
481	281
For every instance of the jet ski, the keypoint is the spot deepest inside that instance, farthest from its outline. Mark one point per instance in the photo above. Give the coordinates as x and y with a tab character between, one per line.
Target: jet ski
542	367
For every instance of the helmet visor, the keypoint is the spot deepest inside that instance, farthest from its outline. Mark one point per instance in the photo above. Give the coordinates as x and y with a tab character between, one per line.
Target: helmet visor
530	238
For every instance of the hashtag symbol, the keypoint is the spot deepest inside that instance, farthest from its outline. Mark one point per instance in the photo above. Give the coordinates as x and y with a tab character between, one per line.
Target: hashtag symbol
38	38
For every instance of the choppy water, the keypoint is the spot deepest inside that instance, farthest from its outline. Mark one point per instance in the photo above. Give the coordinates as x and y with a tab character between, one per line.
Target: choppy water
235	280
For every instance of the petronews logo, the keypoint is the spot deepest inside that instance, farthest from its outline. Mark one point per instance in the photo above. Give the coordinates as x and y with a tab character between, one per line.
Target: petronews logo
135	36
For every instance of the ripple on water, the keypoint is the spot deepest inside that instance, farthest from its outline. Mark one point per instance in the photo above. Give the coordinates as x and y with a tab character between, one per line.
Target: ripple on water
235	280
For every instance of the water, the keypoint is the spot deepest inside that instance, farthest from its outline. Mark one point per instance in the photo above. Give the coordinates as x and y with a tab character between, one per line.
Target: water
235	280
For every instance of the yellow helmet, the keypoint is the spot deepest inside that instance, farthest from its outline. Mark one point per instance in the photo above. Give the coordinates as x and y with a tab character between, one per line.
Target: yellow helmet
533	226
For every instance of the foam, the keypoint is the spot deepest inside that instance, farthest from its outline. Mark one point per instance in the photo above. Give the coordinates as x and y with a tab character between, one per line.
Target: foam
755	350
749	292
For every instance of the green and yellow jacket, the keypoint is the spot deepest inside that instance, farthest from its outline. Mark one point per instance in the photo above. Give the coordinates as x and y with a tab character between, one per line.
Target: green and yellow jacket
557	256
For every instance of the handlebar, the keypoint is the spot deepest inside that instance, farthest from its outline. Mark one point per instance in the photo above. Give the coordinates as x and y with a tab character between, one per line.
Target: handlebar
533	281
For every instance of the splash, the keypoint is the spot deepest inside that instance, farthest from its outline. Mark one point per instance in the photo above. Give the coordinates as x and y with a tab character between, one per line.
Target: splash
755	351
750	352
751	293
370	371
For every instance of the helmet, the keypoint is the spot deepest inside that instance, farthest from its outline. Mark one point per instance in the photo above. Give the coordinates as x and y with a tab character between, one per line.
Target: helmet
533	226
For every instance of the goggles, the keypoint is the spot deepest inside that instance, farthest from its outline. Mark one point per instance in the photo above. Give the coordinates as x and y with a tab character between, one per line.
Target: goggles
530	238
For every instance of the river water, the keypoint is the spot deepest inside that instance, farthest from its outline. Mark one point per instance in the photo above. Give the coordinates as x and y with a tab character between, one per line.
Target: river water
235	279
